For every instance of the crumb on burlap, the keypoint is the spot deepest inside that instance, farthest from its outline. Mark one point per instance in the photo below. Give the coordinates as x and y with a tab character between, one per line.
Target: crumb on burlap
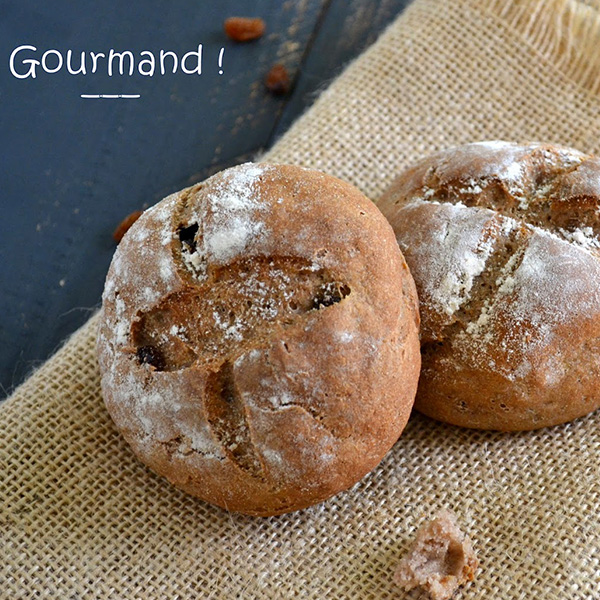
440	560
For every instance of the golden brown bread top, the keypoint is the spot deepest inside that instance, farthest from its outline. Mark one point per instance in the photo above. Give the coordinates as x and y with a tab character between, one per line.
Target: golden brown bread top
259	341
502	240
519	193
556	189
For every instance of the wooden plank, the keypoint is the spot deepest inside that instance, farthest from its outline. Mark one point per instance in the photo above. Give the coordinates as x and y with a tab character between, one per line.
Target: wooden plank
347	28
76	167
73	168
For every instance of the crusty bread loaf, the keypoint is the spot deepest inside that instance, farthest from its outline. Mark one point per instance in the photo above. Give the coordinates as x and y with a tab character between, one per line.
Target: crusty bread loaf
259	338
502	240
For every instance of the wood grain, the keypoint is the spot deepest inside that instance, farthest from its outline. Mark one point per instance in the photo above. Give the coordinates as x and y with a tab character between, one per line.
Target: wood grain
75	168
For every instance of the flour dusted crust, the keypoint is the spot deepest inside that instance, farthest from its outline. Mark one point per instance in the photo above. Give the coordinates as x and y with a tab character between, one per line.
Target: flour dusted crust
503	242
259	338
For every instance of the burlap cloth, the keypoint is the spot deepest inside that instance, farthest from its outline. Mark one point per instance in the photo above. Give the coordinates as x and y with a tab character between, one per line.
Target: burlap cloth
81	518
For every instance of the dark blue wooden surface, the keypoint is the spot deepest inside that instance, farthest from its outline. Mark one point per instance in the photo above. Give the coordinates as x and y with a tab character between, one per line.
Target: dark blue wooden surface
73	168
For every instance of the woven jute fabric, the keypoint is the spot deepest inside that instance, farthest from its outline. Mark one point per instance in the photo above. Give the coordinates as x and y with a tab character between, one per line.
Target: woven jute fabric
80	517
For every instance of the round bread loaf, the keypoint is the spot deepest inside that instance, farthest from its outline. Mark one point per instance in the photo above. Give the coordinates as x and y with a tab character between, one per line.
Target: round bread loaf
502	240
259	338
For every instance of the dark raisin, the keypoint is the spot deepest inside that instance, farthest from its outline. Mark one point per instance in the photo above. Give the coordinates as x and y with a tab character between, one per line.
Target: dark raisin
187	236
125	224
344	290
152	356
329	294
278	80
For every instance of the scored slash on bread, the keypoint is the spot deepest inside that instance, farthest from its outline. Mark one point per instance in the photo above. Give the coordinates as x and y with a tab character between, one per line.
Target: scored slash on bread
502	240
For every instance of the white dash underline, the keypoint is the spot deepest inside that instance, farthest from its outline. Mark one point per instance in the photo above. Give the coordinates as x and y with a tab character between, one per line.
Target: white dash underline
110	95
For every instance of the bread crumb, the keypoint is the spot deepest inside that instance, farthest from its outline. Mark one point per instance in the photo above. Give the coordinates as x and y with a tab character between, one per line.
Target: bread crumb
440	560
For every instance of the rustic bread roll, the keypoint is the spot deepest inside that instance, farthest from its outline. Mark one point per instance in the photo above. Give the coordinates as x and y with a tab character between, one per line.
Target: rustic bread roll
502	241
259	338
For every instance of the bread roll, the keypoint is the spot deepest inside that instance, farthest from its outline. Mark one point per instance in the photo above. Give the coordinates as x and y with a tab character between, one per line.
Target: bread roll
502	240
259	338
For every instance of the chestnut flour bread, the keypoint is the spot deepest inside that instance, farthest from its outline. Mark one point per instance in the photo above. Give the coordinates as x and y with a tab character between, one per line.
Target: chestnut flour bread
259	338
502	240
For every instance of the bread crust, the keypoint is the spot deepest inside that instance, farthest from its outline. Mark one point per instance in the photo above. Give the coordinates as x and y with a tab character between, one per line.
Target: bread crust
503	242
259	338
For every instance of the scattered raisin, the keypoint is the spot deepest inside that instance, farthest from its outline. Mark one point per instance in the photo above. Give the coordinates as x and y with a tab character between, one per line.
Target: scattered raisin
329	294
152	356
125	224
244	29
278	80
187	236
